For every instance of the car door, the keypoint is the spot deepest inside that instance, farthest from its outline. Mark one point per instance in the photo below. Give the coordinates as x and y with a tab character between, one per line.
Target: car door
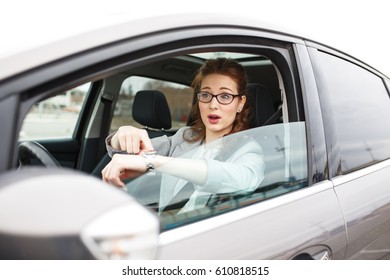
356	105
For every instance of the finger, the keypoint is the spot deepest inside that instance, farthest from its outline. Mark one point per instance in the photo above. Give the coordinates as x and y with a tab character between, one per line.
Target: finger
136	144
105	172
111	170
146	143
117	182
109	174
129	144
123	143
114	178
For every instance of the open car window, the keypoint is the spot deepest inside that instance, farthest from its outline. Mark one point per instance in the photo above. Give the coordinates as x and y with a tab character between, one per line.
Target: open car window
277	152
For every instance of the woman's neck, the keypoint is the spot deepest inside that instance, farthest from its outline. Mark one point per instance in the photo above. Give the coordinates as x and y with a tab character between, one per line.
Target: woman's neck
211	136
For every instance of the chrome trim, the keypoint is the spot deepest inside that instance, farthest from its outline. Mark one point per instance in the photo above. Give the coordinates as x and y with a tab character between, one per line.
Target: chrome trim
323	256
188	231
342	179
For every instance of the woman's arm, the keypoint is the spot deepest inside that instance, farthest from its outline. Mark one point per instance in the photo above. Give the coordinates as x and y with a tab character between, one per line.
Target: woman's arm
127	166
242	174
242	171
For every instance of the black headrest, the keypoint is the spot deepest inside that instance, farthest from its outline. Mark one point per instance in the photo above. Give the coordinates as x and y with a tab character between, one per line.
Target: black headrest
150	108
262	104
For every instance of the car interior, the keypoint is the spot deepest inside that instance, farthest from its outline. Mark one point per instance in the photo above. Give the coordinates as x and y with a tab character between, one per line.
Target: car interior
154	115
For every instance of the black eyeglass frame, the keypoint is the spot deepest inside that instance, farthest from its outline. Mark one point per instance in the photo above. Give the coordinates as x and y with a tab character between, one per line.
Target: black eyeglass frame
216	97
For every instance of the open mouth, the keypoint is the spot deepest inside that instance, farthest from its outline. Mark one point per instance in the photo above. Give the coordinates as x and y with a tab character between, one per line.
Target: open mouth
213	118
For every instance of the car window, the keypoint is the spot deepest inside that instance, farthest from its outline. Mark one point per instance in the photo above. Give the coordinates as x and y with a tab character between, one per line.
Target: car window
55	117
361	107
276	152
179	98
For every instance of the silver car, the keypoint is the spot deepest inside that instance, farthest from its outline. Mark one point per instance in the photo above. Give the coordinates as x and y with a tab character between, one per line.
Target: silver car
320	116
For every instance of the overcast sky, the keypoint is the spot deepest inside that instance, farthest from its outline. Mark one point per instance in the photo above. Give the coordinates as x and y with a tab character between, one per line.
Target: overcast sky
360	28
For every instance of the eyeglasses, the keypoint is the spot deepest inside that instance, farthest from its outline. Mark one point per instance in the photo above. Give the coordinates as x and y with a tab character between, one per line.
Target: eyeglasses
222	98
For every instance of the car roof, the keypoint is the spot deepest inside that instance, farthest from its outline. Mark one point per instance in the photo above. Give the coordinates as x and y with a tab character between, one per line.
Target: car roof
47	46
21	51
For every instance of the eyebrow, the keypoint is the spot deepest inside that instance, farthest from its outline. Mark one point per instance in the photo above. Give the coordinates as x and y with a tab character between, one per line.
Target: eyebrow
221	88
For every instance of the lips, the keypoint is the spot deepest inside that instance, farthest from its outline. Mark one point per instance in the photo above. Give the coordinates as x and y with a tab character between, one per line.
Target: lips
213	118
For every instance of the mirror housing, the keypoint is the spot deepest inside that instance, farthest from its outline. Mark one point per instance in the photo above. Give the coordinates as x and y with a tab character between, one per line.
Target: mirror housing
63	214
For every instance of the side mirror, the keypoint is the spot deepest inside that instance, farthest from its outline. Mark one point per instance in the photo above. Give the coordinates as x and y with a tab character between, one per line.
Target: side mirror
63	214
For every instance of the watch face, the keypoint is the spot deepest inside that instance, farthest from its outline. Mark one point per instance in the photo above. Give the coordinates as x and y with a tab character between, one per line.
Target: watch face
149	156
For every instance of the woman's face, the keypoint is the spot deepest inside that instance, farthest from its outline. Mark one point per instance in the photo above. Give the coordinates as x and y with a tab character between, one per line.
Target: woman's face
218	118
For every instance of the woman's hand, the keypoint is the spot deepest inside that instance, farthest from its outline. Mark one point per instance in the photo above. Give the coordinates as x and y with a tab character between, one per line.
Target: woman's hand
122	167
131	139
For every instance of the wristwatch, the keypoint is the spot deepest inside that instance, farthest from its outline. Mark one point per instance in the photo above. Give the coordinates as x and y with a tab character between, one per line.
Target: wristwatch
150	157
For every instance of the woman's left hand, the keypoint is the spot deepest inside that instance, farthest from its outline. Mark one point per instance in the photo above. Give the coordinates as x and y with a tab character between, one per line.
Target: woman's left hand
122	167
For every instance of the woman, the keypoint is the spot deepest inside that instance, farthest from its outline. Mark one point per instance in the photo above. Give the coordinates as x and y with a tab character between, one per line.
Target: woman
220	110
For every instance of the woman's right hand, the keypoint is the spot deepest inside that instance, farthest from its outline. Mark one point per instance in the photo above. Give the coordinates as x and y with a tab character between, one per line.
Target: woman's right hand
131	139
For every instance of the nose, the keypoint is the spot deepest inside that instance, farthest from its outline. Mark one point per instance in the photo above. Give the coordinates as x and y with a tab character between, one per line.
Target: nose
214	103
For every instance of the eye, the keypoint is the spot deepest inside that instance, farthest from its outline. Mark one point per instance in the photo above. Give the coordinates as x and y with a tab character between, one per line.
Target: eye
205	95
225	96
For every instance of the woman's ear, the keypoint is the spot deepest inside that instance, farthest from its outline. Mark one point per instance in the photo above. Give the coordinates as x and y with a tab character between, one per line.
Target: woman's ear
242	101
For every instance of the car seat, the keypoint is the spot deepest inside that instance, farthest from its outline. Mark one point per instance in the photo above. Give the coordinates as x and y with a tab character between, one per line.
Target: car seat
150	109
262	106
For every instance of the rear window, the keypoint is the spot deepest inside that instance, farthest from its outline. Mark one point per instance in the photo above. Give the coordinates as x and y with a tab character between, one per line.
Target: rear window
361	109
179	98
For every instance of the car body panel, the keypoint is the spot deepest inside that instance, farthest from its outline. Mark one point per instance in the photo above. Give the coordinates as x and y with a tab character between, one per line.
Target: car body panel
365	199
313	215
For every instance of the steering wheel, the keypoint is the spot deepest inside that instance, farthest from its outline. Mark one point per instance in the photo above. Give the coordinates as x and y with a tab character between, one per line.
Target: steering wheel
32	150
